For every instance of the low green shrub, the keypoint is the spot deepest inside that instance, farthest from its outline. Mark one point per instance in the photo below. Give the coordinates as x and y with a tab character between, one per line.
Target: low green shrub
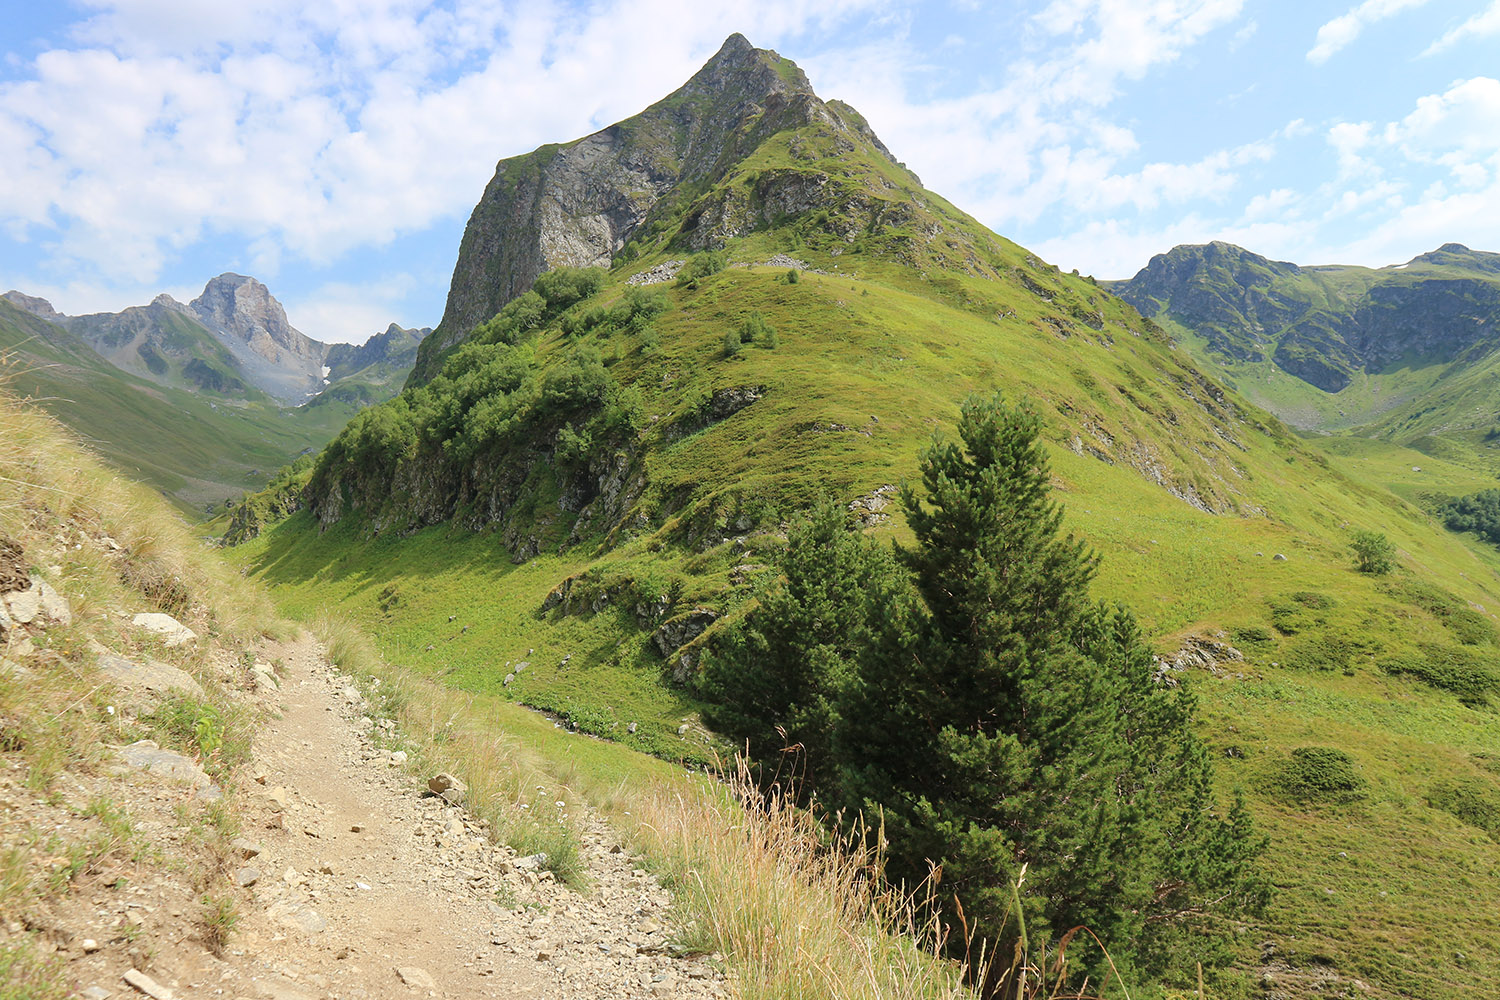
1318	774
1448	668
1473	801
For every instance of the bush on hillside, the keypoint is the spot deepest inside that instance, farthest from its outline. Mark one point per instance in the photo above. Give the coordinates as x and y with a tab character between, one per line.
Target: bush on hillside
702	265
1477	512
1373	552
1450	669
1319	774
1468	626
494	402
1475	801
756	330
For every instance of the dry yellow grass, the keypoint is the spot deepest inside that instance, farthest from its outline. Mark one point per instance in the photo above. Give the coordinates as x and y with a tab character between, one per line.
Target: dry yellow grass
57	712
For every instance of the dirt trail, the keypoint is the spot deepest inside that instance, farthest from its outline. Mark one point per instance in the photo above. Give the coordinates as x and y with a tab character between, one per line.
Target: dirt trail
368	886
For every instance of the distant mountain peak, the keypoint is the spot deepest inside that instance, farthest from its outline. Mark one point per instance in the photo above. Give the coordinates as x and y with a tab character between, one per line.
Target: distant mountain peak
38	307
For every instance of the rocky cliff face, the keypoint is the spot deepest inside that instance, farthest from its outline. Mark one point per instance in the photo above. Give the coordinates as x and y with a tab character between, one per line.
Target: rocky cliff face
579	204
1326	324
250	322
38	307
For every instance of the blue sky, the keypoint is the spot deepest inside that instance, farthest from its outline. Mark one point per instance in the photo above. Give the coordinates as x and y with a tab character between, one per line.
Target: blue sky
335	149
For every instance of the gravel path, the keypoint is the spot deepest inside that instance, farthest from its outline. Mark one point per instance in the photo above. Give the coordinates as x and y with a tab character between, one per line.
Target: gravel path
367	886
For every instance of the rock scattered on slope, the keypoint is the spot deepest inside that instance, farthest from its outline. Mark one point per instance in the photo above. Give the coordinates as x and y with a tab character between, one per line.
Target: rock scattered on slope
173	631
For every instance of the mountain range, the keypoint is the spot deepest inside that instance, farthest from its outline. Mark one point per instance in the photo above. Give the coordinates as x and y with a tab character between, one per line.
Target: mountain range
233	340
1331	347
203	400
664	341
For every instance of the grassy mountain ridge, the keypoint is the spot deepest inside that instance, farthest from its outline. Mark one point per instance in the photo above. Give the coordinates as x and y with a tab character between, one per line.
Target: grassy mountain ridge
1329	655
1330	347
566	508
165	342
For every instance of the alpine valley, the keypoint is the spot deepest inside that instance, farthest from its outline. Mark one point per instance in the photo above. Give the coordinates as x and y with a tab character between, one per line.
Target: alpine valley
666	344
201	400
665	341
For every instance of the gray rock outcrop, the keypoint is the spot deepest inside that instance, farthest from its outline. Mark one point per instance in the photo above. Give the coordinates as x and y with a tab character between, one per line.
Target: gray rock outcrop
579	203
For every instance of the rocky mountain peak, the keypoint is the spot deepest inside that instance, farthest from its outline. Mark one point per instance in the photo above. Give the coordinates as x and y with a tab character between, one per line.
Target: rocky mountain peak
578	204
38	307
165	301
742	69
239	305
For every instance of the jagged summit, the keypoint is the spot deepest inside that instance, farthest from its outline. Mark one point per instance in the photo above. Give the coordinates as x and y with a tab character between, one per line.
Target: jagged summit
580	203
33	304
233	340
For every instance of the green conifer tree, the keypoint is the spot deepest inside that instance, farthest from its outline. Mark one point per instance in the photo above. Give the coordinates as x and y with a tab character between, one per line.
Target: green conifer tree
1008	721
777	679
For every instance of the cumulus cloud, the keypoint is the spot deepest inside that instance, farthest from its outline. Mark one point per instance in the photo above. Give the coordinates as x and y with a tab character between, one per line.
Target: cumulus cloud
1340	32
1041	139
308	130
350	313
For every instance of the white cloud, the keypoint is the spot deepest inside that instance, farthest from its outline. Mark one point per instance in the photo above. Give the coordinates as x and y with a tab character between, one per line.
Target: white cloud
1039	140
1465	119
1344	29
344	313
1349	139
1481	25
308	130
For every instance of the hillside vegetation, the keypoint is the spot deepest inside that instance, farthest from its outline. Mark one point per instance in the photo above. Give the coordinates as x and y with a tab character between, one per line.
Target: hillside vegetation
85	842
578	496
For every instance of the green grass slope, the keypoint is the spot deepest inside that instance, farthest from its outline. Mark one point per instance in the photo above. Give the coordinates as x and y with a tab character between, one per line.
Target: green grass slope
197	451
1187	493
566	509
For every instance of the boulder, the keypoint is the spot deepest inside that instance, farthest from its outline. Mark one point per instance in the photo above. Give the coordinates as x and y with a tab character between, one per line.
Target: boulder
173	631
413	976
152	676
25	606
683	629
40	600
297	916
443	782
148	756
55	606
